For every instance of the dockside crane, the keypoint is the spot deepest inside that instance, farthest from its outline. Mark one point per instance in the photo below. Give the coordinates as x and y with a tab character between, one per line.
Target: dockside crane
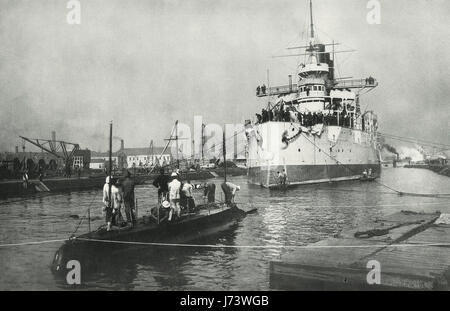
58	148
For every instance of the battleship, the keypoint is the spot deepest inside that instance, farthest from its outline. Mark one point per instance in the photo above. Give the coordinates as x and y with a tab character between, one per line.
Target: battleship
313	131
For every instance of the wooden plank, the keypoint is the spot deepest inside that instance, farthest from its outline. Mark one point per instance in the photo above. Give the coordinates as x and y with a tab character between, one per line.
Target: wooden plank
342	260
305	277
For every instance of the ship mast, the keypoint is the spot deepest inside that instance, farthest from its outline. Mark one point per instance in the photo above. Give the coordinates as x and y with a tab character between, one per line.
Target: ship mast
312	56
110	166
312	23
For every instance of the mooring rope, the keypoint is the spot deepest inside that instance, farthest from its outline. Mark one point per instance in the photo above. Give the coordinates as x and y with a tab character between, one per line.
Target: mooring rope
436	195
353	206
261	246
221	246
33	243
230	246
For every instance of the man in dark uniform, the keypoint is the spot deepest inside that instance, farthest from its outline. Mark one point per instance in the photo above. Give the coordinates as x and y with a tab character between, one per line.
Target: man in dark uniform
128	198
209	193
161	182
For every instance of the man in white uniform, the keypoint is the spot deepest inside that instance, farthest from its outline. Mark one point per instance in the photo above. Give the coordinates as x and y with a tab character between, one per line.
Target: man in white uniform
174	196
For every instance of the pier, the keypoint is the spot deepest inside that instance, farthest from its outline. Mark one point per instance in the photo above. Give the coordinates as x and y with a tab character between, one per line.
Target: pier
439	169
412	249
15	188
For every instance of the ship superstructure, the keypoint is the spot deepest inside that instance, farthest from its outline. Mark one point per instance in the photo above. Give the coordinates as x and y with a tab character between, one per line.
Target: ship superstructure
314	130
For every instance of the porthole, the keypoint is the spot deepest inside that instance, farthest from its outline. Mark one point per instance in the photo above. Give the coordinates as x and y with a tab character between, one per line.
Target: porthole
299	150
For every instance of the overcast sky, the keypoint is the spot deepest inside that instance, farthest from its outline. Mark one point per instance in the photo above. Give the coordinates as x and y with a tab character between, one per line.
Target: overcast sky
145	64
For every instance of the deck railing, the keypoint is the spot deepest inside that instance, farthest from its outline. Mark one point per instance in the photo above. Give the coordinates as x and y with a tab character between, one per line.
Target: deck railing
277	90
356	83
342	84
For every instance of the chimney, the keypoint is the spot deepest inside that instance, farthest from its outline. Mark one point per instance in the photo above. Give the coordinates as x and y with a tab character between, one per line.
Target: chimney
53	136
122	144
17	149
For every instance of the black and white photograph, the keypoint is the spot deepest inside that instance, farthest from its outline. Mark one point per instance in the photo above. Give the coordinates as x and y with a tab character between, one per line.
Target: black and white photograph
242	147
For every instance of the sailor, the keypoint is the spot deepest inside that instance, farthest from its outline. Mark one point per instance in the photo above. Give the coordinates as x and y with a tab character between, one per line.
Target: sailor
258	89
209	192
263	89
370	172
107	207
283	177
279	177
187	191
309	119
117	201
128	198
230	190
365	173
178	174
258	118
300	118
174	196
165	205
25	179
161	183
265	116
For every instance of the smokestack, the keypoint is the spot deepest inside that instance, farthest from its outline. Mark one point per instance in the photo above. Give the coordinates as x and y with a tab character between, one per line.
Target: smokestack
290	83
53	136
17	149
122	144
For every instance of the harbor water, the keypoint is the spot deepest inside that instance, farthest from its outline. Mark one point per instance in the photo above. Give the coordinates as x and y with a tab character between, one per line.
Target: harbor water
297	216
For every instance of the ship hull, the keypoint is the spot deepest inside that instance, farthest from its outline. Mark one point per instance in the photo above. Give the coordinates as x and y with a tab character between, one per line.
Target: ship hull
308	174
309	156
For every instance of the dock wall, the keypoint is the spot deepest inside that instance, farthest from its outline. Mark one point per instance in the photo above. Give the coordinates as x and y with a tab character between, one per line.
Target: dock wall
439	169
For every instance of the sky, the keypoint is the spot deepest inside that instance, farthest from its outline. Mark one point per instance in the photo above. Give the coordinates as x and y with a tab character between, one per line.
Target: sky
144	64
